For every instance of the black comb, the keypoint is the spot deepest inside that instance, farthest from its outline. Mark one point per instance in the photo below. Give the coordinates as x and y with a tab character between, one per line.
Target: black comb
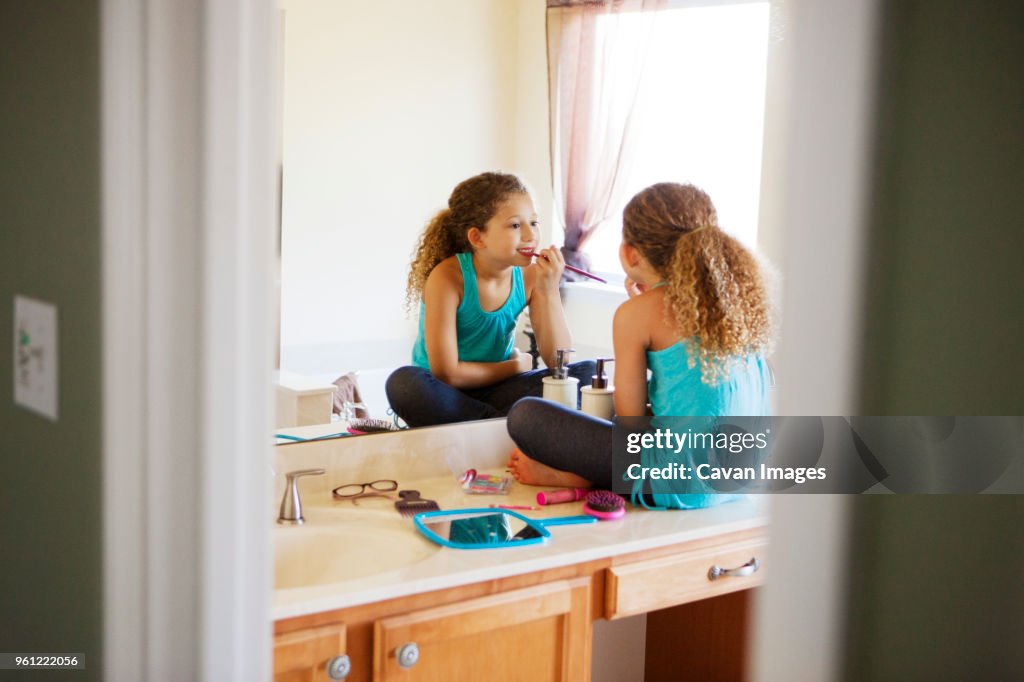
412	504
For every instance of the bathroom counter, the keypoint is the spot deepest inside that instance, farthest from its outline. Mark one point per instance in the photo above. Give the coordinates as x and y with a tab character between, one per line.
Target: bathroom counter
361	595
377	539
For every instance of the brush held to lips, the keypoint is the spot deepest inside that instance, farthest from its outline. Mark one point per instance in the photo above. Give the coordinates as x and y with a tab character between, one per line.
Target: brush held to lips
534	254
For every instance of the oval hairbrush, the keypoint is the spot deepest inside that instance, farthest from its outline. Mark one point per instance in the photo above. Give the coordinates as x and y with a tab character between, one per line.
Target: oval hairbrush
604	505
362	426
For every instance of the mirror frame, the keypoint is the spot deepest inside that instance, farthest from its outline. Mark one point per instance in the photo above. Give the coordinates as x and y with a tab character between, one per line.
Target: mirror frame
418	520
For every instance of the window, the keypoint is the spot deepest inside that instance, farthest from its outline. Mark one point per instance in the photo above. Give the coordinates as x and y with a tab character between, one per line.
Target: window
701	108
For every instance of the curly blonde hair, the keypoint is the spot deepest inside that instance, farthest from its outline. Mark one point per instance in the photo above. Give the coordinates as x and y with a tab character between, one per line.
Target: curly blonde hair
716	289
473	202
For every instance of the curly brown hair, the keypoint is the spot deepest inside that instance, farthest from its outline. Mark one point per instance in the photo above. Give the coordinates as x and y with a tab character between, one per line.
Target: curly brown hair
473	202
716	288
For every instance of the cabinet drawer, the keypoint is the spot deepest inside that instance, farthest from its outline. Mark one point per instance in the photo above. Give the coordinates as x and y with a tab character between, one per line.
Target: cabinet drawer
305	654
669	581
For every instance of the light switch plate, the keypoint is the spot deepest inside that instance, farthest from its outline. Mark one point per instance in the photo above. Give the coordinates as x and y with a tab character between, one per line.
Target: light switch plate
35	356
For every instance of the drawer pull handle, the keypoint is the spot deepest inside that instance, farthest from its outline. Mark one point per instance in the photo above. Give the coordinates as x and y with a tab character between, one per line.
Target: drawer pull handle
749	568
408	655
339	667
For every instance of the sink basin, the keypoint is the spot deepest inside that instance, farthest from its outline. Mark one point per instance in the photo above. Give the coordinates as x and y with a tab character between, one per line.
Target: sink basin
316	555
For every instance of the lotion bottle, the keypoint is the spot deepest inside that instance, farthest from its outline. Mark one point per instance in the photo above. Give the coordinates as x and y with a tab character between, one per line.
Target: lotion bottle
598	399
560	387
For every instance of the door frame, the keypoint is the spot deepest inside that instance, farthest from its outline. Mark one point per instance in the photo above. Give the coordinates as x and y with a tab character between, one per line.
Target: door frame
188	211
818	161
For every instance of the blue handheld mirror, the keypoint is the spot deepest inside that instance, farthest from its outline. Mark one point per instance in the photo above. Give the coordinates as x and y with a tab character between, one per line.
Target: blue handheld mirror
488	528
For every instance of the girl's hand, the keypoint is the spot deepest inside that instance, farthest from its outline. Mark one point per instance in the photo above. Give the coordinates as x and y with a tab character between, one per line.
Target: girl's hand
550	264
634	288
525	360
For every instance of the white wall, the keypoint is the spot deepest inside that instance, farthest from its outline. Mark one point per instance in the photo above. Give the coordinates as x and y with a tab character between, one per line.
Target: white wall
386	108
532	146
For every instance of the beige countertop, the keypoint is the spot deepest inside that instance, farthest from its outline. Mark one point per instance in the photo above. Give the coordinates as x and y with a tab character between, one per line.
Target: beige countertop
346	555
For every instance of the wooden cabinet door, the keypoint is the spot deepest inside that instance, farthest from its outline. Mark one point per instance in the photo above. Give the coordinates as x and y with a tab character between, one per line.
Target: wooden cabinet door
303	655
534	634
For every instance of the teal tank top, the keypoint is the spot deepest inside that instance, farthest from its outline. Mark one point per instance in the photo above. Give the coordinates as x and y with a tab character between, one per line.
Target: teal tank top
676	390
482	336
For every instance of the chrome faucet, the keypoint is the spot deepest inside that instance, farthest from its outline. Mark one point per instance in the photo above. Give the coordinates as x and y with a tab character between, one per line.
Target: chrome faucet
291	505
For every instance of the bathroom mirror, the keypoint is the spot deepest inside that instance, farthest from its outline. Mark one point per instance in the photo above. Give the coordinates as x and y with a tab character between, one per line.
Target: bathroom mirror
488	528
385	108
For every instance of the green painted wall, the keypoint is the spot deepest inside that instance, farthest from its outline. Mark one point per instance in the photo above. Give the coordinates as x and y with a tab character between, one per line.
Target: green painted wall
937	592
937	589
50	494
946	303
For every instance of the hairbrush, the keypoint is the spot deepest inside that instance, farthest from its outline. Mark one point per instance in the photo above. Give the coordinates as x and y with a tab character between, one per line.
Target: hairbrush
361	426
604	505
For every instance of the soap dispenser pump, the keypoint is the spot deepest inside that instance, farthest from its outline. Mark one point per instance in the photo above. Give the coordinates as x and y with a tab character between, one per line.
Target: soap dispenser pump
560	387
598	399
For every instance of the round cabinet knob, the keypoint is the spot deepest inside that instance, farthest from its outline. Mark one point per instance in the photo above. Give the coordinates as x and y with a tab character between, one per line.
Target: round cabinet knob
339	667
408	655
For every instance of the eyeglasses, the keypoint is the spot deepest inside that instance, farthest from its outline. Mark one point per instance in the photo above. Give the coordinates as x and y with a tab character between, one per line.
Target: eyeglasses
353	491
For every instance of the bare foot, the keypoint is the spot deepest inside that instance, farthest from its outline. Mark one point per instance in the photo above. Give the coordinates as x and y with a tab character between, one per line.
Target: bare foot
531	472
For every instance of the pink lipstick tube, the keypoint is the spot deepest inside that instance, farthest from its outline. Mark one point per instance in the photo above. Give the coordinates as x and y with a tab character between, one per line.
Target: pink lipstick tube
561	495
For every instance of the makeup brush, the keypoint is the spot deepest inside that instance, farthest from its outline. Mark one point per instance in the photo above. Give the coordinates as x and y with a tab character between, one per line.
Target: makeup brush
569	267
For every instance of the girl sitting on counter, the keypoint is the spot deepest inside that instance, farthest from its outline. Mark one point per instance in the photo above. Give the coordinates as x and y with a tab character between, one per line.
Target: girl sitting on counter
697	316
475	270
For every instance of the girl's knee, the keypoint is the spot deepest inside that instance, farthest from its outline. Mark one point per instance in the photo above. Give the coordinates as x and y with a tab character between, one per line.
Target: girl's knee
403	382
408	391
524	414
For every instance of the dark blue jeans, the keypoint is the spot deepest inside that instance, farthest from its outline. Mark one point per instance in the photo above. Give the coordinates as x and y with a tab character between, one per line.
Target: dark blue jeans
563	439
421	399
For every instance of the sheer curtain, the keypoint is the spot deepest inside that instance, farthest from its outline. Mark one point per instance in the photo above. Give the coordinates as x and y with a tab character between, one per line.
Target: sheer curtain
594	76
